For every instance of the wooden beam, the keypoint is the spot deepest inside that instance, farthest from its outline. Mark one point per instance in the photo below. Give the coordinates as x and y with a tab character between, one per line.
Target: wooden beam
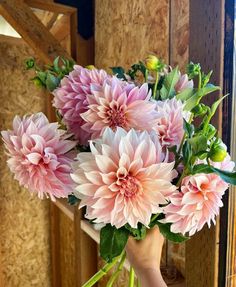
51	6
61	29
21	17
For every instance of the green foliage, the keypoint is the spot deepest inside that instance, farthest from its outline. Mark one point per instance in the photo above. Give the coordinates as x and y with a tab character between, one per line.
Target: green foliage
167	91
119	72
72	200
227	176
51	75
112	241
138	233
198	143
185	94
193	70
139	67
166	232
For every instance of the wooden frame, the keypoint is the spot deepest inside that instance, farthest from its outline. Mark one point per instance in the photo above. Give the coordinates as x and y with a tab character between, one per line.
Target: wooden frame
60	9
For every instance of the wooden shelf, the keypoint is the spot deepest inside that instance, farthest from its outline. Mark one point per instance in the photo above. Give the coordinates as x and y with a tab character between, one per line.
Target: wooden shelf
67	209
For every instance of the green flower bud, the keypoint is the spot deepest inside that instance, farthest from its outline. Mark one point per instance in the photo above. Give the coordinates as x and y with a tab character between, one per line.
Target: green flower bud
193	70
30	63
211	131
218	154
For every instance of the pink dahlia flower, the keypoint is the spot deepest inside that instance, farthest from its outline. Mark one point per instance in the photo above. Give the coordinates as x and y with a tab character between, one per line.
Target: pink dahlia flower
183	83
119	104
198	202
123	179
38	156
71	98
169	125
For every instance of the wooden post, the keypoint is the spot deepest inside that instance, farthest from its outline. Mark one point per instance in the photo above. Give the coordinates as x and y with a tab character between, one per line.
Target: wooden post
206	47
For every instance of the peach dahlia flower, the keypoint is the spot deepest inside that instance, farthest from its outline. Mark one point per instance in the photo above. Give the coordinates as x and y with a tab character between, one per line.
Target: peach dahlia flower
123	179
170	121
71	98
39	156
119	104
198	202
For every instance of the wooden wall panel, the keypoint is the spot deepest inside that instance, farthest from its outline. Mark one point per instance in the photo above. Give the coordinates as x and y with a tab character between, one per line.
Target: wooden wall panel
206	47
24	224
179	33
126	31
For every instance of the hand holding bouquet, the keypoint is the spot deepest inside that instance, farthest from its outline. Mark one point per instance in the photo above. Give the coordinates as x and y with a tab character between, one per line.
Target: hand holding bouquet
142	161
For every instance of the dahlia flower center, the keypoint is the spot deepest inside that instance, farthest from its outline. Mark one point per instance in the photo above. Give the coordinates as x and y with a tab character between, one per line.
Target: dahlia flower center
130	186
116	117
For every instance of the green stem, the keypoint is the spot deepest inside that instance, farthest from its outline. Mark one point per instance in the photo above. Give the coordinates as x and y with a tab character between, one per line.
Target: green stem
102	272
117	272
131	277
146	75
138	283
155	87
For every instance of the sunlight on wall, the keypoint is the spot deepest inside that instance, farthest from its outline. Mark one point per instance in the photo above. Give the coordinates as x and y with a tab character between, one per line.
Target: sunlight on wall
6	29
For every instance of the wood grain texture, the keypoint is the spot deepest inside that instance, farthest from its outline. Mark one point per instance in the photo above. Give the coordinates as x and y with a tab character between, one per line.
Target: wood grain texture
206	47
179	33
126	31
24	224
21	17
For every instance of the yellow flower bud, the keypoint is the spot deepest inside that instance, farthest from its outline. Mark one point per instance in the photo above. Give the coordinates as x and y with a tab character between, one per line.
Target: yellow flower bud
90	67
152	62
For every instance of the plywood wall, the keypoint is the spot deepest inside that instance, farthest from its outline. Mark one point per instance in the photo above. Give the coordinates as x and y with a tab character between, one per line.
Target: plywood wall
126	31
24	223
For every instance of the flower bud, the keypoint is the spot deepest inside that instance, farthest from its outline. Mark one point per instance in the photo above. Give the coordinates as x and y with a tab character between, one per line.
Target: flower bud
90	67
152	63
30	63
37	82
218	154
193	70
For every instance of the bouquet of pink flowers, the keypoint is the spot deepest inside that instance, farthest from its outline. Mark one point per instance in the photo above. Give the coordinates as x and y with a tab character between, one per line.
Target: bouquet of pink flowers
127	147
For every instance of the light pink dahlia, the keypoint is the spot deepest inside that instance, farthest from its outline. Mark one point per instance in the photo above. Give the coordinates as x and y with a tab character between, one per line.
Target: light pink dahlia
183	83
169	124
198	203
38	156
71	98
119	104
123	179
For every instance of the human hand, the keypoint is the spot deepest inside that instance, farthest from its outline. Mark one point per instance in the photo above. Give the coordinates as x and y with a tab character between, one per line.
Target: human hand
145	257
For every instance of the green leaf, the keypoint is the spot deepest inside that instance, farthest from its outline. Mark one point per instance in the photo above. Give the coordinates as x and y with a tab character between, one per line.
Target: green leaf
72	200
42	76
56	64
189	129
187	152
202	168
138	233
185	94
227	176
209	88
174	237
52	82
112	241
119	72
168	91
216	104
198	143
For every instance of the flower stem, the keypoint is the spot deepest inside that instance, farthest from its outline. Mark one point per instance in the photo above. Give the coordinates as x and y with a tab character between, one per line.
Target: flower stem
102	272
131	277
138	283
155	87
117	272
